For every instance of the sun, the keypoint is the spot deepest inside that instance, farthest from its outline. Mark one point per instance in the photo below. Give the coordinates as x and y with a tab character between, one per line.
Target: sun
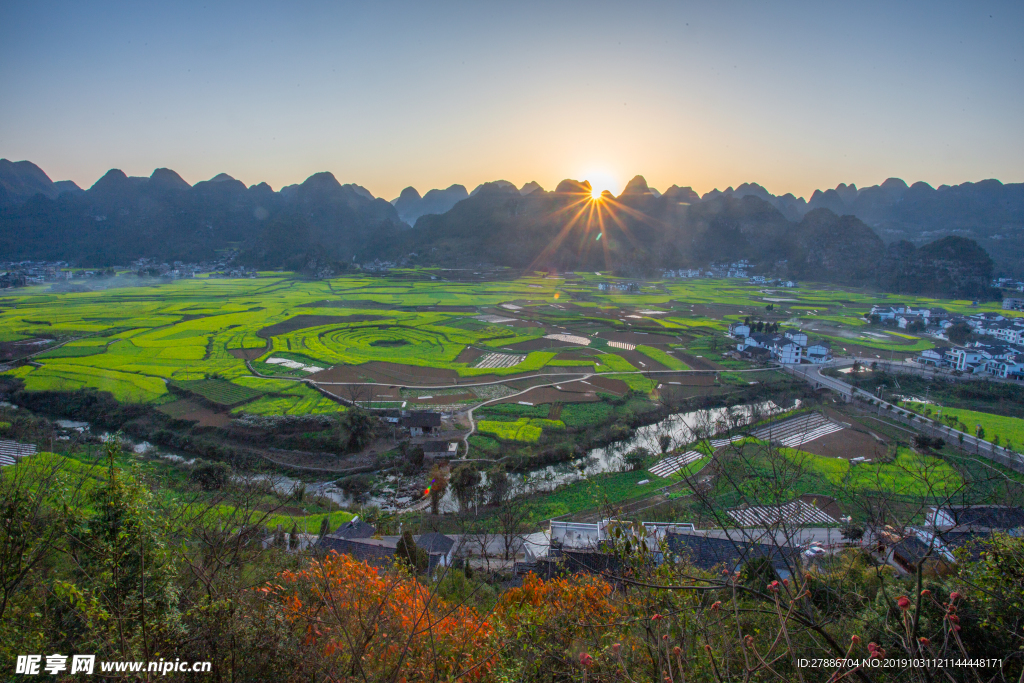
601	180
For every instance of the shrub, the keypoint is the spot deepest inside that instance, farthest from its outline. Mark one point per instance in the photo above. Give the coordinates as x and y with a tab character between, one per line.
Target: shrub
211	476
636	457
377	619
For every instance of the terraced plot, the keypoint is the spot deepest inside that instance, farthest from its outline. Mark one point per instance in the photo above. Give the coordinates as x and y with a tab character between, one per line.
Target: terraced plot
569	339
797	431
219	391
795	513
499	360
674	463
523	429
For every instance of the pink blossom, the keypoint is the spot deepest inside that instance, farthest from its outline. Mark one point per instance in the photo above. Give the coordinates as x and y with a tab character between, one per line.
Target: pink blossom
904	602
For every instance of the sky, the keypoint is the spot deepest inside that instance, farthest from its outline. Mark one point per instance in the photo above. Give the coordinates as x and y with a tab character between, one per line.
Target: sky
792	95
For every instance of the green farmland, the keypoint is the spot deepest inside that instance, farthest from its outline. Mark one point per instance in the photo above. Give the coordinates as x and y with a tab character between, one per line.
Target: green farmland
144	344
259	372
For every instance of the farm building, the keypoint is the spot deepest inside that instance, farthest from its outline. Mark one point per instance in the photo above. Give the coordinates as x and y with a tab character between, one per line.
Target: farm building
380	552
355	528
953	529
706	551
991	516
819	353
420	423
440	449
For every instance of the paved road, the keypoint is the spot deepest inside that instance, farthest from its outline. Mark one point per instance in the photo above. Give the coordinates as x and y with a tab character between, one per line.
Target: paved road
812	373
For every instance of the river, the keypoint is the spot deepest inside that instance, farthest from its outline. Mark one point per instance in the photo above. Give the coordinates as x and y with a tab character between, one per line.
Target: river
683	428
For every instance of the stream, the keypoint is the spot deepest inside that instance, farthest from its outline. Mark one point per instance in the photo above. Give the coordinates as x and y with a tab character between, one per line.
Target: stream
683	428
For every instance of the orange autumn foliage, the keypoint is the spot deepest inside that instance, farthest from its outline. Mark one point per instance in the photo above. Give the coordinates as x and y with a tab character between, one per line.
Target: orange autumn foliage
369	625
550	617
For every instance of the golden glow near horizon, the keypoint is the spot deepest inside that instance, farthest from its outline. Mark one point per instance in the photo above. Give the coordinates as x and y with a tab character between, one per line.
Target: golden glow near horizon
601	179
592	224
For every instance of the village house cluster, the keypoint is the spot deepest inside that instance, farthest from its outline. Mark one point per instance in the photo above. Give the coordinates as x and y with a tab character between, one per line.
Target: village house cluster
589	548
24	273
978	358
1009	283
783	535
789	347
64	276
999	353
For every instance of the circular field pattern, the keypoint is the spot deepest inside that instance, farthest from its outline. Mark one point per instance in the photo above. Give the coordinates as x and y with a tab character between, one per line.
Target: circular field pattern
395	343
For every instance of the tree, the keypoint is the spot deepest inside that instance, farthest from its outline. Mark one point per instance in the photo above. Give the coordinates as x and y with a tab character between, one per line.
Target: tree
499	486
325	526
994	581
211	476
293	538
636	457
959	333
411	554
31	528
416	456
359	425
464	482
979	431
438	487
513	515
916	326
665	442
120	595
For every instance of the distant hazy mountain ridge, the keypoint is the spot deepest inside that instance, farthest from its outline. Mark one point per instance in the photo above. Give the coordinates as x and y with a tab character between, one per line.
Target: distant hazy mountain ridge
839	235
411	206
22	180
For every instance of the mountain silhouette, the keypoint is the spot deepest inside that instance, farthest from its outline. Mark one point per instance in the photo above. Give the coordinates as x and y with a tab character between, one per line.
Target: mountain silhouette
410	206
22	180
840	235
